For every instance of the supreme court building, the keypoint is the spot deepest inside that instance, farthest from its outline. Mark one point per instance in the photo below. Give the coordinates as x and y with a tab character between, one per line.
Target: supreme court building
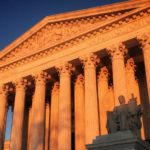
63	75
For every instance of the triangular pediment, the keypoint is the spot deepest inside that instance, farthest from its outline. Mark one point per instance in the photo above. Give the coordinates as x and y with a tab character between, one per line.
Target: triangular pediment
60	28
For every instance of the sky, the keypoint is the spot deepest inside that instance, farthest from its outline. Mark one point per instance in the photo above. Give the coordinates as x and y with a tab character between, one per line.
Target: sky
17	16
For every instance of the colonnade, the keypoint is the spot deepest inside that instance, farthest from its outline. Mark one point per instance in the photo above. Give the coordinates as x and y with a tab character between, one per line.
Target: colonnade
92	98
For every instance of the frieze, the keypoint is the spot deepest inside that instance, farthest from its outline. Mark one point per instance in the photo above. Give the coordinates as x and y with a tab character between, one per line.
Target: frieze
118	27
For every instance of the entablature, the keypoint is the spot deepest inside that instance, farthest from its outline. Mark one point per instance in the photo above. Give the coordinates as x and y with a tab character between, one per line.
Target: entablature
92	43
106	29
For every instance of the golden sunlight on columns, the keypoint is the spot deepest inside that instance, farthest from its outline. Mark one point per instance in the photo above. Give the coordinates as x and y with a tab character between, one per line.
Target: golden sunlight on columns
132	86
47	125
18	115
38	112
111	98
145	45
131	82
3	113
103	99
117	53
137	92
64	128
79	113
91	102
54	117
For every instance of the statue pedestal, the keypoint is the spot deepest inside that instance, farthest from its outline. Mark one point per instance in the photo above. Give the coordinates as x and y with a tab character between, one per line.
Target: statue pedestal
124	140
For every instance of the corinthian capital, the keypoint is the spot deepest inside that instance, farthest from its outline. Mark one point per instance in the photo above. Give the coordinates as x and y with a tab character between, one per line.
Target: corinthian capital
79	80
144	40
118	50
90	60
55	88
4	89
20	83
103	74
41	77
65	69
130	65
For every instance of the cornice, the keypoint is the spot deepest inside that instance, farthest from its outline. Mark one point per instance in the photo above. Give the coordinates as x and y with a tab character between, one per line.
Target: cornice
73	15
106	27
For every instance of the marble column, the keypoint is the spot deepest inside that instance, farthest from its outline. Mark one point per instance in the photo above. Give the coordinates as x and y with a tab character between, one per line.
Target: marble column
3	113
54	117
38	112
18	116
64	128
117	53
79	104
111	97
91	102
47	125
131	81
103	99
133	87
145	45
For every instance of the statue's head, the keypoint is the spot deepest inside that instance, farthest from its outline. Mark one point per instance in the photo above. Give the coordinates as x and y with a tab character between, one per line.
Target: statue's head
121	99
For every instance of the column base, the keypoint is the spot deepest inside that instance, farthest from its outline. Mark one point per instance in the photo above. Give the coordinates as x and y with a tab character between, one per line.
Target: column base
124	140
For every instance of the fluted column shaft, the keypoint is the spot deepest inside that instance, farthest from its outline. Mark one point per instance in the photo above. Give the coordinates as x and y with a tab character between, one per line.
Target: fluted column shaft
38	113
103	99
132	85
91	102
117	53
3	112
145	45
47	125
111	98
18	116
54	117
79	104
64	129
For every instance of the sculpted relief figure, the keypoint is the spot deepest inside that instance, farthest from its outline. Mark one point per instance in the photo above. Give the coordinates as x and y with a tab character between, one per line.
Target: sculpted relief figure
125	117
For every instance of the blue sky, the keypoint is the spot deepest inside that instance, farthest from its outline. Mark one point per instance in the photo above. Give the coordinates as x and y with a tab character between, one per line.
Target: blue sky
17	16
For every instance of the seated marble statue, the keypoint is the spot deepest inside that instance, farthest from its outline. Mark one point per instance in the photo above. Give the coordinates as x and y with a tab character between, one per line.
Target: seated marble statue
125	117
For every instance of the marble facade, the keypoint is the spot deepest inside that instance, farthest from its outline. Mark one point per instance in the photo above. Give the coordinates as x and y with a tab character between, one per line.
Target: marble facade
62	75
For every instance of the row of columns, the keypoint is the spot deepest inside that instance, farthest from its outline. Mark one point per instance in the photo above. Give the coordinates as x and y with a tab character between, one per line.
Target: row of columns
88	110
